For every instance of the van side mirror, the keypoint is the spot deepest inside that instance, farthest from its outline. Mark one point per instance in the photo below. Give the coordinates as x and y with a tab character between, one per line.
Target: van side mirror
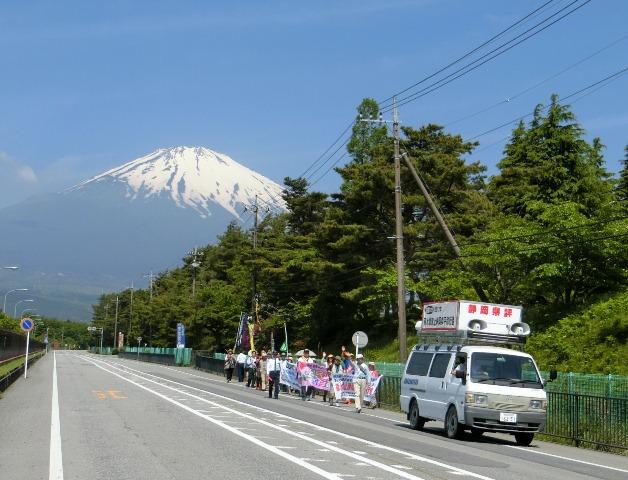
553	375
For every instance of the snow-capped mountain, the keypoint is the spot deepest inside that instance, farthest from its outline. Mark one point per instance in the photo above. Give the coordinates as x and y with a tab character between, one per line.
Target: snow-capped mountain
115	227
194	177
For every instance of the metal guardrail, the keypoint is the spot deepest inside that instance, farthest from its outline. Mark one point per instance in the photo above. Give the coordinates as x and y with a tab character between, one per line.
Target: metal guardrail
209	364
583	419
18	371
588	419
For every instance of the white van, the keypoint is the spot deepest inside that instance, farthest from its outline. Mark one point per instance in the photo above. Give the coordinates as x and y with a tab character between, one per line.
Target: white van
476	388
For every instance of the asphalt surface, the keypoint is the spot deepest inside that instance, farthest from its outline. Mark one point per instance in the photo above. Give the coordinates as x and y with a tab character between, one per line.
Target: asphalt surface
123	419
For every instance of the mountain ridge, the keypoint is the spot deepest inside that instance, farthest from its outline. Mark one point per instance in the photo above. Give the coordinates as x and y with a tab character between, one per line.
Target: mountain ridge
113	228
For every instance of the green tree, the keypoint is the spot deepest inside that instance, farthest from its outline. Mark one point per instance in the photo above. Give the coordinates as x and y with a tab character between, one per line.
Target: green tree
366	134
550	161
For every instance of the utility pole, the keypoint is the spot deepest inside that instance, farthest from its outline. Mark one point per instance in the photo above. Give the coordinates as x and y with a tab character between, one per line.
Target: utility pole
401	287
150	284
195	264
115	325
130	315
255	209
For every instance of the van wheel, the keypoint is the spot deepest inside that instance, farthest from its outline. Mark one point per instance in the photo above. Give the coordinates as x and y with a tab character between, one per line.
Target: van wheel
452	427
416	421
524	439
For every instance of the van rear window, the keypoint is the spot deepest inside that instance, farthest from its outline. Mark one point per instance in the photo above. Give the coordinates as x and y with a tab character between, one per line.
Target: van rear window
419	363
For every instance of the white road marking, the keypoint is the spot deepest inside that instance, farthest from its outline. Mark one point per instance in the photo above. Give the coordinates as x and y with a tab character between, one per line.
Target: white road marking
56	456
363	460
329	430
567	458
271	448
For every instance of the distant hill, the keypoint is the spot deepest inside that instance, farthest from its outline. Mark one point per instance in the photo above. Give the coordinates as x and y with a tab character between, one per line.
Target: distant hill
109	230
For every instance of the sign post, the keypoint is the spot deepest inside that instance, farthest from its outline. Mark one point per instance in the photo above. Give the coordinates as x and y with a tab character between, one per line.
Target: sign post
180	335
359	339
139	339
27	325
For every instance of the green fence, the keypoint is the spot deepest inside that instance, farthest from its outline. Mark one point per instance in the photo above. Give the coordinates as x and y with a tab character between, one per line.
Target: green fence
167	356
101	351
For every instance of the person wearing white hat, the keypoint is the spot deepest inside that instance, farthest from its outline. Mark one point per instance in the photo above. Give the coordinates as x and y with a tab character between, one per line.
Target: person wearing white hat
361	376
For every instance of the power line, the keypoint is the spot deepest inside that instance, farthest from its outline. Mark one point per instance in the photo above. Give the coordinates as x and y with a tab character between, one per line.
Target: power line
521	21
606	79
510	98
327	150
469	68
469	53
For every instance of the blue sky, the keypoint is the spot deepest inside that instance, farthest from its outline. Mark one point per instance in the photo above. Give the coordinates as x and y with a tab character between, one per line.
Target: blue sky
85	86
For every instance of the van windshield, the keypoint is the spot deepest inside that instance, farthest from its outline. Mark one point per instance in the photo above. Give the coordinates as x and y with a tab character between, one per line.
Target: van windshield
504	369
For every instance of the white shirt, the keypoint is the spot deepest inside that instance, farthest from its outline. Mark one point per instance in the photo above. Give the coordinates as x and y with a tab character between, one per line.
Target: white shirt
361	371
272	365
241	358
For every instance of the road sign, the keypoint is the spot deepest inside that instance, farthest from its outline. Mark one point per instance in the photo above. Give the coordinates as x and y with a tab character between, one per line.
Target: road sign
360	339
180	335
91	329
27	324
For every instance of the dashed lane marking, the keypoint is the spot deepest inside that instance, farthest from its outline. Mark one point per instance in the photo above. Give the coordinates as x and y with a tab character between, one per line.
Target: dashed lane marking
406	454
305	437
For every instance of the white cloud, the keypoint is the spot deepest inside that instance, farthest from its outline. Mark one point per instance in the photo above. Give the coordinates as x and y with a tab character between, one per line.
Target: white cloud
12	169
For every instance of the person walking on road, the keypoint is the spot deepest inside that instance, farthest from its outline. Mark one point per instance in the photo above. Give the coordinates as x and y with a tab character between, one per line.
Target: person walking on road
263	371
230	363
241	365
273	369
329	365
304	365
361	376
336	369
250	369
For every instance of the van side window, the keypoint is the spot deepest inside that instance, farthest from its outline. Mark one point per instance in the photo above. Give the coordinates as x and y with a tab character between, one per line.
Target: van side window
439	365
419	363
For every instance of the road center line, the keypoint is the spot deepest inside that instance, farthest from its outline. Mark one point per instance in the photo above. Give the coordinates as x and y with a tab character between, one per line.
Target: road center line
567	458
56	457
351	437
301	436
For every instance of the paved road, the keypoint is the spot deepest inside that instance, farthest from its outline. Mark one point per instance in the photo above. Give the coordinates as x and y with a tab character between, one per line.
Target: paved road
112	418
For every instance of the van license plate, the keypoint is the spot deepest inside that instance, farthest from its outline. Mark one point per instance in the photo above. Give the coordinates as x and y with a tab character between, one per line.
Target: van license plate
508	417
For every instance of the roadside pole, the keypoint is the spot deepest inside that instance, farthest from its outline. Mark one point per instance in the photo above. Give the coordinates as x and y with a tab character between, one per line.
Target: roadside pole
28	339
27	325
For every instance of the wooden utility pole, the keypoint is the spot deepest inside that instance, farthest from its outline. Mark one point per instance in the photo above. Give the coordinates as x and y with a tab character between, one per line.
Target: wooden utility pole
401	270
401	267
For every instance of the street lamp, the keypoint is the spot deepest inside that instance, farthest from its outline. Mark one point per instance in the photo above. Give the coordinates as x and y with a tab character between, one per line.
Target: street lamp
4	305
17	303
27	310
10	268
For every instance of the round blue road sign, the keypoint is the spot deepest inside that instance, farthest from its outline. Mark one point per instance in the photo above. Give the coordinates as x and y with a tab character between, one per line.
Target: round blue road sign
27	324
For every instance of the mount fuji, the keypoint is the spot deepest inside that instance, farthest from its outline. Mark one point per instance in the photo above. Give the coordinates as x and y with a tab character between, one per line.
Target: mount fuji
111	229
